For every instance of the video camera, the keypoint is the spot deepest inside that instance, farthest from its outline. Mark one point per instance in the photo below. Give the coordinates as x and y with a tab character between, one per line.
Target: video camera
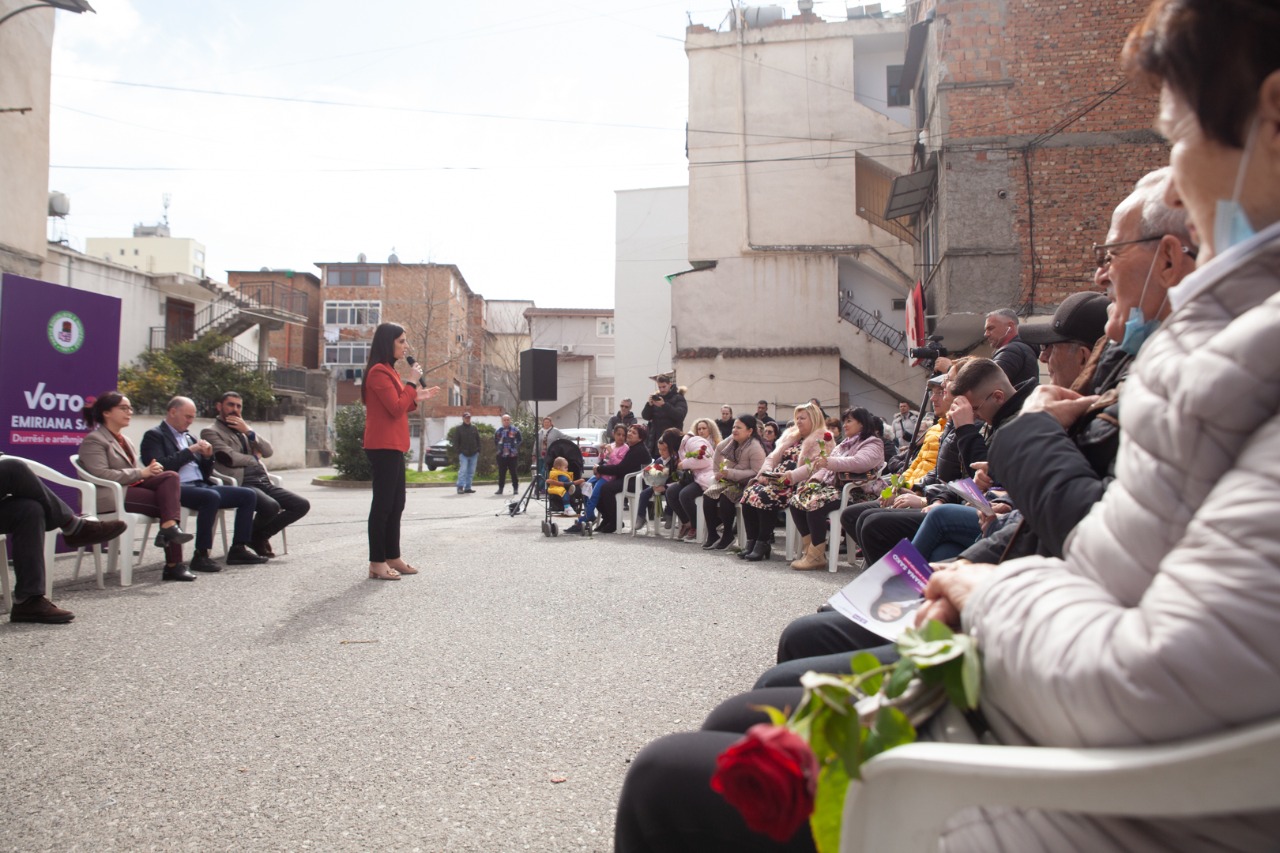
934	349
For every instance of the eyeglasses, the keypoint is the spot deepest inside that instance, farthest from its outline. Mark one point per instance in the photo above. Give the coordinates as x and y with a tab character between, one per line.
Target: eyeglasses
1103	255
128	409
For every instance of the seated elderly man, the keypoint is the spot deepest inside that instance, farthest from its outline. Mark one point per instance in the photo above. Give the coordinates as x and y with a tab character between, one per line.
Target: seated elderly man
238	451
177	450
29	509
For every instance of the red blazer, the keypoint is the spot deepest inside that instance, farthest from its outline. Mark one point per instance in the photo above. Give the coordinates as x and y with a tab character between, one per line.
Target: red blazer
387	402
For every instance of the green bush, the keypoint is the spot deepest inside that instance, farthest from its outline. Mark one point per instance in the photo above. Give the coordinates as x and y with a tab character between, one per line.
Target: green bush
190	369
487	464
348	452
528	427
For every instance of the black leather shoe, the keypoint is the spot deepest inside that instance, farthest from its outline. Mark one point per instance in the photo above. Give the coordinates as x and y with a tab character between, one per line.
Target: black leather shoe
172	534
468	491
262	547
94	532
711	541
747	548
725	540
760	552
240	555
201	562
179	572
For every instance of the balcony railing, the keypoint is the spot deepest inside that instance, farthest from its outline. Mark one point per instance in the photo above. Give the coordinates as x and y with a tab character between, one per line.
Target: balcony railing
895	339
275	295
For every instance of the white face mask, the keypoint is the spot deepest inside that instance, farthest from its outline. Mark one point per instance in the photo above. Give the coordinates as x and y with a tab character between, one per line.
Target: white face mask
1230	224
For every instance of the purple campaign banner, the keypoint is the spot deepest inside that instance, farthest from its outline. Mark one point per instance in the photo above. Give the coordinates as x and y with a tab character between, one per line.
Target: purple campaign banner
59	348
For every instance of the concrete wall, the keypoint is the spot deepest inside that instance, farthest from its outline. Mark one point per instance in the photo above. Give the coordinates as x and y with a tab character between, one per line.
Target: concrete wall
150	254
288	437
652	242
26	46
771	130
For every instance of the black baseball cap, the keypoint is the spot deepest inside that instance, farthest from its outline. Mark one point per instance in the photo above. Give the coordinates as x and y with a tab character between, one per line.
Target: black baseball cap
1081	317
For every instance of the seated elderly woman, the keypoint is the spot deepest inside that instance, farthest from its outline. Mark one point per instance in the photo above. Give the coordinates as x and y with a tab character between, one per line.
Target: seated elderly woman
819	483
737	461
1158	623
770	491
694	459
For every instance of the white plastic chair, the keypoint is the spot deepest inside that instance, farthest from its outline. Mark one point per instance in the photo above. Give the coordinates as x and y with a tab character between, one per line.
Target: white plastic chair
909	793
132	522
834	534
276	480
625	513
87	500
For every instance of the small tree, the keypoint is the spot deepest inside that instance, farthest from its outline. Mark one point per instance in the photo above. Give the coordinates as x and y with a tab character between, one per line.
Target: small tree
151	381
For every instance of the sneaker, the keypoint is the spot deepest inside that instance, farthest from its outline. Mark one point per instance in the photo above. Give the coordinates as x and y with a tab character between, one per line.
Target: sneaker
40	609
576	527
498	492
641	524
172	534
468	491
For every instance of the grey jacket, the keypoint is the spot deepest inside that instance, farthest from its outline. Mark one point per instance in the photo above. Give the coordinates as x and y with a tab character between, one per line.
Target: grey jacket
1160	622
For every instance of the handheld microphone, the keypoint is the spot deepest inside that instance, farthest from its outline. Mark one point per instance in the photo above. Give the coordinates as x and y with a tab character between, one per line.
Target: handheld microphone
411	361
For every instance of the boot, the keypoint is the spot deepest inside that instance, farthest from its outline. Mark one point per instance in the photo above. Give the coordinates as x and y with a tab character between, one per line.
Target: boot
814	557
747	548
805	541
761	551
726	538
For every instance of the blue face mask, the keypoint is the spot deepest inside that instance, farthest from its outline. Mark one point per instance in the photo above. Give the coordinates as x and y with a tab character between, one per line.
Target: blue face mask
1138	328
1230	225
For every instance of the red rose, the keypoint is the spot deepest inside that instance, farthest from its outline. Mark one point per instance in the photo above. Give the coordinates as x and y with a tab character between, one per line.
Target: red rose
770	776
702	452
826	436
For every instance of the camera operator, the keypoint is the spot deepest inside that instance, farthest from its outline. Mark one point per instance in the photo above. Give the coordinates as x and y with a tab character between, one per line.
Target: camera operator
665	409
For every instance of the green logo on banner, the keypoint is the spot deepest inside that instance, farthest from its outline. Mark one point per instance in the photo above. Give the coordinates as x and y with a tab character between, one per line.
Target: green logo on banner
66	332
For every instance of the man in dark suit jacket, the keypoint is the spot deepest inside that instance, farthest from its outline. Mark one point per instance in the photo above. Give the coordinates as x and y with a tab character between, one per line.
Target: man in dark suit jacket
177	450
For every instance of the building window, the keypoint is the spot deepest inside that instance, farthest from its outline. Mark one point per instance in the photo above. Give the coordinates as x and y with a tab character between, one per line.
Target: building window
604	366
896	95
122	252
899	305
346	352
359	312
199	256
198	272
604	327
354	276
455	394
602	408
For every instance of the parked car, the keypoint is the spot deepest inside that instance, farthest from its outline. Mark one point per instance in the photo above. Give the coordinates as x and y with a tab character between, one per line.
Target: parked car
589	441
438	455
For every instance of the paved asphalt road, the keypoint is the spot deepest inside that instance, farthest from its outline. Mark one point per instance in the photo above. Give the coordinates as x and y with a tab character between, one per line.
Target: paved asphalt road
300	706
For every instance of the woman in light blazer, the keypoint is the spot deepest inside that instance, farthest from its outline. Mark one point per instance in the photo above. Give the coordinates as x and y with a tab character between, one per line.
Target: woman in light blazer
150	490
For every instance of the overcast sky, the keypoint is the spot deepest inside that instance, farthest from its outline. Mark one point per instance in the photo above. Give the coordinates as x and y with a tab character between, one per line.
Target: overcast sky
487	135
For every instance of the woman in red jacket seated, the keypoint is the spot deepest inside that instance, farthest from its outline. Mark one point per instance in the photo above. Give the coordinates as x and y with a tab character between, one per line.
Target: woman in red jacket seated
388	400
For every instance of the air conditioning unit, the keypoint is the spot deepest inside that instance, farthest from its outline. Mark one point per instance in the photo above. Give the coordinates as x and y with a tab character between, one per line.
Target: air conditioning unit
566	349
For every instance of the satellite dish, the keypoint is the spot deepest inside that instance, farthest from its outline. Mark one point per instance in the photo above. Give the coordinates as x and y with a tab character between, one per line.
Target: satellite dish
393	258
361	257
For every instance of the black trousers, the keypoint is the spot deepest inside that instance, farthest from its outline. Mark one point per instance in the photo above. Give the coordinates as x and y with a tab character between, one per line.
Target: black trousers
505	464
667	803
607	508
825	641
278	508
759	523
813	523
206	500
879	530
28	508
683	500
386	505
720	511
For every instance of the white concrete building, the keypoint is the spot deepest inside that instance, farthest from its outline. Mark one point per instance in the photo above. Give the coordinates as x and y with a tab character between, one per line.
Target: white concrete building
506	336
652	243
151	249
799	284
583	339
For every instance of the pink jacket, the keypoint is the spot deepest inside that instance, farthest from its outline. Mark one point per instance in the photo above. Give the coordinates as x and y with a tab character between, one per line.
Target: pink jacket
851	456
704	472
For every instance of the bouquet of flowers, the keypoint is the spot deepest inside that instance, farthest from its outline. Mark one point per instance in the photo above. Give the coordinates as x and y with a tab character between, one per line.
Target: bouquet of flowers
700	453
798	767
655	474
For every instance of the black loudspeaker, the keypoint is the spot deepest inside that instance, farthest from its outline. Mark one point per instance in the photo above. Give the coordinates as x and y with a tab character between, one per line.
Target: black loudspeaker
538	374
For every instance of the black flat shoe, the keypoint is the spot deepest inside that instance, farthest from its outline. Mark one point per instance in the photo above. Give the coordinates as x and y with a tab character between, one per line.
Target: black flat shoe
240	555
710	544
179	572
201	562
725	541
172	534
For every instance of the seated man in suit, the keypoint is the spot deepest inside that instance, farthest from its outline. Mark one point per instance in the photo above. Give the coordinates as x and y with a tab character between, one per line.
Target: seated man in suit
177	450
237	452
28	508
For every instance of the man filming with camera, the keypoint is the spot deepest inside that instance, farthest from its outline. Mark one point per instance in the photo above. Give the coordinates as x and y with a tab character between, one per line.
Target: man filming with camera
665	409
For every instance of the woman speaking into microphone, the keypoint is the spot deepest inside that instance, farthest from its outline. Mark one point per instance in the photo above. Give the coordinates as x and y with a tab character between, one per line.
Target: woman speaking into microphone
388	400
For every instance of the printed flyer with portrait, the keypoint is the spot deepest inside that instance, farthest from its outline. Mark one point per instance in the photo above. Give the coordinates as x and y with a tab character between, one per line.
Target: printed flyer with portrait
886	596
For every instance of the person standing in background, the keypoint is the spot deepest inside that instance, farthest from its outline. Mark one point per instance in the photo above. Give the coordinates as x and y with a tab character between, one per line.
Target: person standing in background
507	440
468	454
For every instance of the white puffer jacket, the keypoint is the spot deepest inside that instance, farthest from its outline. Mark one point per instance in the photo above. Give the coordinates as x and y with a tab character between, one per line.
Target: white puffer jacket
1162	622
